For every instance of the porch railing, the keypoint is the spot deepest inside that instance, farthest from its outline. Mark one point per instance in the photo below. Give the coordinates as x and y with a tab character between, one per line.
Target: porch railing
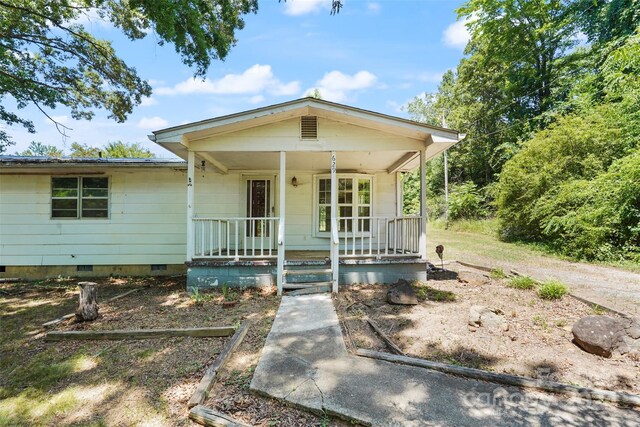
235	237
379	236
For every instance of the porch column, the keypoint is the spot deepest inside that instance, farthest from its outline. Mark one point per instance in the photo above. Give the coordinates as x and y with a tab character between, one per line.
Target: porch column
281	228
190	199
423	205
335	241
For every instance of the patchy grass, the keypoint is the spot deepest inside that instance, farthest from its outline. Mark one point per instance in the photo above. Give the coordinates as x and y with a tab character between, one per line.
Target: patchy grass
425	292
497	273
132	382
488	227
538	335
521	282
598	310
552	290
465	238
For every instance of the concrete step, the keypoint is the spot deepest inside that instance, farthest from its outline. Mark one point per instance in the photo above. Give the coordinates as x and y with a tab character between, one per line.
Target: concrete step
288	271
312	290
305	285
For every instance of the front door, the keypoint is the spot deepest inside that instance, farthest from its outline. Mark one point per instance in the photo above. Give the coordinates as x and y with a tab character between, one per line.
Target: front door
260	207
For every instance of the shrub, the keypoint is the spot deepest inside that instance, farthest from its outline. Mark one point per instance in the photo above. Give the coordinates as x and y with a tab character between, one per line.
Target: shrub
521	282
576	186
552	290
465	202
597	219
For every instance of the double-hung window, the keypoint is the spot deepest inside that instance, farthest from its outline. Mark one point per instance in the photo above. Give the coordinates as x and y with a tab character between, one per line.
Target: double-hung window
354	203
79	197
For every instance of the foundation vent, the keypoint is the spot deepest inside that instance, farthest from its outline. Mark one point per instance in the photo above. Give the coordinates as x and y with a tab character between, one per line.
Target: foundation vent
309	127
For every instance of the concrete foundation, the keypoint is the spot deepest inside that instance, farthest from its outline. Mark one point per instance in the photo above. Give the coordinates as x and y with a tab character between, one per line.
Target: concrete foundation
210	274
41	272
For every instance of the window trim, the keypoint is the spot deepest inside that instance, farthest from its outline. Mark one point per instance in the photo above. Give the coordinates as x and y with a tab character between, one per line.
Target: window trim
79	216
354	204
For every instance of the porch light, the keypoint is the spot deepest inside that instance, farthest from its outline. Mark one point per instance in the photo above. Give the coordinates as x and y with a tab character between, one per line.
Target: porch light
294	181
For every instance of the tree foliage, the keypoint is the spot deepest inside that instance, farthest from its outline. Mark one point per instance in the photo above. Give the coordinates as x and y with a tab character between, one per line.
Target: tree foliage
38	149
49	58
552	126
117	149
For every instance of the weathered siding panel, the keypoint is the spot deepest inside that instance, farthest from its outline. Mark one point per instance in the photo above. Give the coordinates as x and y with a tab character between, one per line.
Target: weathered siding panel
147	223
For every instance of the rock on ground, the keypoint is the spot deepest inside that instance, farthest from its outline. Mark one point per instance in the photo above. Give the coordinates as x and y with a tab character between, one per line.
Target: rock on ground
472	278
599	335
491	318
402	293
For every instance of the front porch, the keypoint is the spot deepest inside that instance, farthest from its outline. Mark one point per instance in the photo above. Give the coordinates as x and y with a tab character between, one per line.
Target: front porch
317	178
340	234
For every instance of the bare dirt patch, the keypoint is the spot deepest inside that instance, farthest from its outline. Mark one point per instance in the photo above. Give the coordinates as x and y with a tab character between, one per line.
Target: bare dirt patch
132	382
537	344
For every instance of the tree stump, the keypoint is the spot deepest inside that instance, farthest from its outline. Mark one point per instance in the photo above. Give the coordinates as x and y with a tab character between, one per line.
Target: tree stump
88	302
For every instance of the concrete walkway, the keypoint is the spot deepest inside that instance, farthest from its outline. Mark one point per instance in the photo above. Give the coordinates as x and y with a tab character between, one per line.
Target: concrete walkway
305	362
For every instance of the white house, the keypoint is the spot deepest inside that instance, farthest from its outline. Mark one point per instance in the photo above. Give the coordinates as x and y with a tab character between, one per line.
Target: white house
303	191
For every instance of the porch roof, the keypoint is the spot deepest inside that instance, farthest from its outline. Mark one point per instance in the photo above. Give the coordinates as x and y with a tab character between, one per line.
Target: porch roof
397	151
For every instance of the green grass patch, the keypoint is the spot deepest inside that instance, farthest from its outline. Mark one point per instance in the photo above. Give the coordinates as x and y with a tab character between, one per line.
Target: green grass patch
428	293
497	273
521	282
552	290
487	226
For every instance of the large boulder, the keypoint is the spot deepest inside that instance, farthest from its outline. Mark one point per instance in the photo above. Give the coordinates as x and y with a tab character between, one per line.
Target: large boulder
487	317
600	335
402	293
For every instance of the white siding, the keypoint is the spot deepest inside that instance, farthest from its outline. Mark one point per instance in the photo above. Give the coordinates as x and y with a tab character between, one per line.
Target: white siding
147	223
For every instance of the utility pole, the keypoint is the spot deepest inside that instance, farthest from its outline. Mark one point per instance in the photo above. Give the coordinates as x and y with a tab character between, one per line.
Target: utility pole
446	181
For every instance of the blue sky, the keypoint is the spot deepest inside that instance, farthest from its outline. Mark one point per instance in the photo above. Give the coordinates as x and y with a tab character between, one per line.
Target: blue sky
375	55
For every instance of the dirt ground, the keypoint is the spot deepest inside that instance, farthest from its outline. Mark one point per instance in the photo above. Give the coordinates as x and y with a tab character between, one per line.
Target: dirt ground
615	287
537	344
132	382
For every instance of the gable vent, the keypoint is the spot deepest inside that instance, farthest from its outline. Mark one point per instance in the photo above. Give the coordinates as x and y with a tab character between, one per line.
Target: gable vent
308	127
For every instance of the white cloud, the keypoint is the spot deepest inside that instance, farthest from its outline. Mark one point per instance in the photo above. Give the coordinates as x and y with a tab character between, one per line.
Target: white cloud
256	99
255	80
456	35
152	123
148	101
63	119
335	85
373	7
302	7
430	77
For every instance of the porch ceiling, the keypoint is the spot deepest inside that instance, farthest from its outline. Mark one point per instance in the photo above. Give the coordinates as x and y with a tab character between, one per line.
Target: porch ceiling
390	161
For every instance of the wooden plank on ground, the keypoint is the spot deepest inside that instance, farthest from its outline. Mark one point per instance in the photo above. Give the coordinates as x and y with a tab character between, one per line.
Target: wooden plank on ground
210	418
205	383
385	338
477	267
69	316
514	380
140	334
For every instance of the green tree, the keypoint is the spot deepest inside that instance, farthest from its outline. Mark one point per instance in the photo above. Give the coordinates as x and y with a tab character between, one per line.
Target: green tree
48	58
84	150
122	150
39	149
